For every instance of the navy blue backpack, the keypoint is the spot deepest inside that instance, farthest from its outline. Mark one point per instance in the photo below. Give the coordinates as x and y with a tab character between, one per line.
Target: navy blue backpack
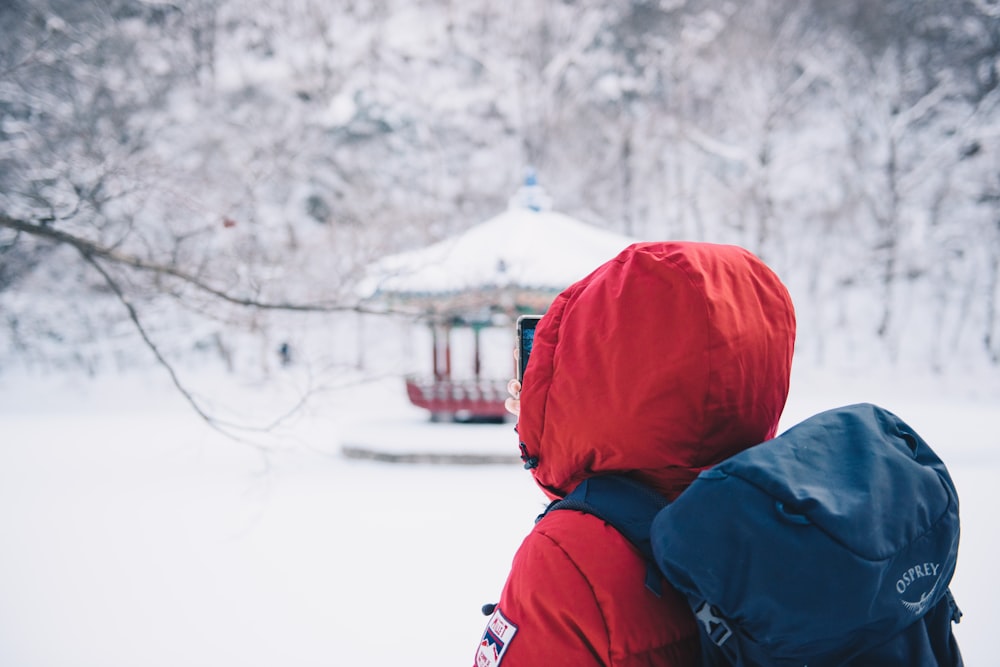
830	545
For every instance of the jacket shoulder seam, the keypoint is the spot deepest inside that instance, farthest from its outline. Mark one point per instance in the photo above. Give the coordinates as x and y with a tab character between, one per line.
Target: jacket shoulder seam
590	587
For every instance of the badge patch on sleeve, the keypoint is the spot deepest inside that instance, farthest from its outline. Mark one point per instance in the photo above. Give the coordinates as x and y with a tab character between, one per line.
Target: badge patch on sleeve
498	636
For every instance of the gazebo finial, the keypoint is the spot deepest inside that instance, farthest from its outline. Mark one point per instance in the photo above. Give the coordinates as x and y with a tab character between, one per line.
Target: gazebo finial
531	195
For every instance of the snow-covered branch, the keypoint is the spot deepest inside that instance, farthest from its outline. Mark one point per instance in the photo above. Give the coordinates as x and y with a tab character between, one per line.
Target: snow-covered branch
91	250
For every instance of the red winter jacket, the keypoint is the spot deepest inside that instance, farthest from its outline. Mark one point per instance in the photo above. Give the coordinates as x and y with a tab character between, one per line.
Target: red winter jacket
664	361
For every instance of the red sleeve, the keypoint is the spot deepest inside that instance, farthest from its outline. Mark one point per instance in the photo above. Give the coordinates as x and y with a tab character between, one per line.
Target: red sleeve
552	609
576	596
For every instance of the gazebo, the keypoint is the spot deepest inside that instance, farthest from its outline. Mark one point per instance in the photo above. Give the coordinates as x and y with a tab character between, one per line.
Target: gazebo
512	264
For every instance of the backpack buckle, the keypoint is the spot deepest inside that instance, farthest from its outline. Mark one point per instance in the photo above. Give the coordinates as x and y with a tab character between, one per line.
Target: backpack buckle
715	626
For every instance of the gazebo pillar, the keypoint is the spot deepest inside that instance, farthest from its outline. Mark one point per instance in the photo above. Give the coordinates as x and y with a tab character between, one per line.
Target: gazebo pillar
441	343
478	364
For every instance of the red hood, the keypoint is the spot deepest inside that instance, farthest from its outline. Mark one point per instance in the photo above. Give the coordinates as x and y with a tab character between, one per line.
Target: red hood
662	362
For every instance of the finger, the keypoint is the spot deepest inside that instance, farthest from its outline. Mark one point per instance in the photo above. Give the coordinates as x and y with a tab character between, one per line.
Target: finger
513	406
514	388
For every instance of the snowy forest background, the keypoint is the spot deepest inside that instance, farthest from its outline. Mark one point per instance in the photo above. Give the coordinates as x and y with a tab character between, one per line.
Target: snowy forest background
207	177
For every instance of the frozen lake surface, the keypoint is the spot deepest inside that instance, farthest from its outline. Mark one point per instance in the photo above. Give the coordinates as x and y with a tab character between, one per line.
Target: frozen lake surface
133	534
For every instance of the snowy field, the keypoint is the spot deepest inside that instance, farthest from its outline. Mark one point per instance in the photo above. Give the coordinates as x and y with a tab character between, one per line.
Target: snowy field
132	535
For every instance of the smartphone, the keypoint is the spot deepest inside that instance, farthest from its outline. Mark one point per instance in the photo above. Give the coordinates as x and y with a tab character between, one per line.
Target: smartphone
525	339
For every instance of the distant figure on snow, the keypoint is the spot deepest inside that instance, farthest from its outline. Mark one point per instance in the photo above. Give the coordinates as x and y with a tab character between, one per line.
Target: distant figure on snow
285	353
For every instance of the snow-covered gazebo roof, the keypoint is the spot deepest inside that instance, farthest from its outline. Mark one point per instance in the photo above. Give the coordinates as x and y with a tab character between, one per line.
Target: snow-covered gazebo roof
524	255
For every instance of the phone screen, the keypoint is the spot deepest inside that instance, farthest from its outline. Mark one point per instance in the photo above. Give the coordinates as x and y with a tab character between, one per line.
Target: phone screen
525	340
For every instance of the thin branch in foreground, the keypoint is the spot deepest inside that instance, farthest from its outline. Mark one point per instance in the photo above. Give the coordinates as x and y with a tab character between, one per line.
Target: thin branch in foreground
217	424
92	250
96	255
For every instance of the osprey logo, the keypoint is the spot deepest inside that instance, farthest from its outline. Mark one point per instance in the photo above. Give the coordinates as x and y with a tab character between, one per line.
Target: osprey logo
919	574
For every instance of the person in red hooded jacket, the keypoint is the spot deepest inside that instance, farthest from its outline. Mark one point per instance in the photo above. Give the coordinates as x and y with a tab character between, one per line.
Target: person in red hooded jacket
661	363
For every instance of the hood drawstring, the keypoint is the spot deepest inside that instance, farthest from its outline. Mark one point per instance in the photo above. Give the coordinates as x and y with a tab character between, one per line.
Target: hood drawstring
529	461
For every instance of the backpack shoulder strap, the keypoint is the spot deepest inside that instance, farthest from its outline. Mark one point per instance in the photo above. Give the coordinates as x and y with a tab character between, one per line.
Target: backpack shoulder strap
630	507
626	505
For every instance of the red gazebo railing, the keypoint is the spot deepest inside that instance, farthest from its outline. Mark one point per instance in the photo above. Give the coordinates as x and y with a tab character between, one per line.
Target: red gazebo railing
459	400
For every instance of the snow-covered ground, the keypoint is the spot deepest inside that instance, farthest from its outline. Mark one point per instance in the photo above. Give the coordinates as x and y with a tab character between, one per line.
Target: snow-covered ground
131	534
